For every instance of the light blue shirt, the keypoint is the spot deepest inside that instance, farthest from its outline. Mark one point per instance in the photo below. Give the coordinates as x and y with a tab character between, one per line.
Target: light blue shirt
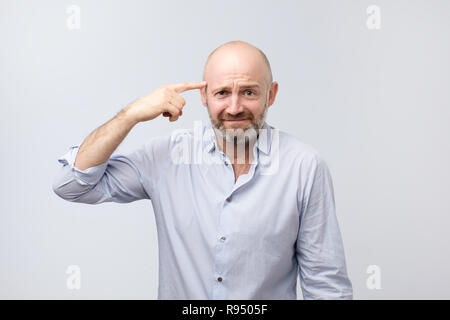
221	239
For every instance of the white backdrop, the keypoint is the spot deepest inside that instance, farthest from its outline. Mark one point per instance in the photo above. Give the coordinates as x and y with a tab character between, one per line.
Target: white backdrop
366	86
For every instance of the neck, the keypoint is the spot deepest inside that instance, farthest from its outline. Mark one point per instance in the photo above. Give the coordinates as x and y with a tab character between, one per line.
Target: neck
240	154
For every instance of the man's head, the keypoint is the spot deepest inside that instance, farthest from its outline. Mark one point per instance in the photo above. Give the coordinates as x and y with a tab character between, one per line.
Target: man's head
239	87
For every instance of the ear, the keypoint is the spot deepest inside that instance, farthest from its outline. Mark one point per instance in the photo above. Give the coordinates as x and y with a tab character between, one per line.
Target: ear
203	95
273	93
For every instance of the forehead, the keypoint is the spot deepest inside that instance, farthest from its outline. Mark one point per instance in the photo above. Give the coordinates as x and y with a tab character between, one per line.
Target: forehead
233	82
235	69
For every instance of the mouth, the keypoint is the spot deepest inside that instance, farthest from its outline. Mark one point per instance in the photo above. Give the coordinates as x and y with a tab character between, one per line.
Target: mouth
236	121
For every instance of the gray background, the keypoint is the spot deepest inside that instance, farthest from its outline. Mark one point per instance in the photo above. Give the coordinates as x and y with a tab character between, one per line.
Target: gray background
375	103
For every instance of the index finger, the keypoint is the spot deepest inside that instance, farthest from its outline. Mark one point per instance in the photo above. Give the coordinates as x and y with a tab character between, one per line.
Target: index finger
184	86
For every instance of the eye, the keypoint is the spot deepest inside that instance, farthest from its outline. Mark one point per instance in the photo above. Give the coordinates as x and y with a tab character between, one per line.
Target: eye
220	92
246	91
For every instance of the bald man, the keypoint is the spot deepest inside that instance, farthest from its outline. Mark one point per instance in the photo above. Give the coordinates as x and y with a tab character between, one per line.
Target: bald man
241	207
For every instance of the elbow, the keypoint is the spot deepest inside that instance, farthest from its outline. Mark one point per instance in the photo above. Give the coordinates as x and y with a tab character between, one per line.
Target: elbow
59	190
65	187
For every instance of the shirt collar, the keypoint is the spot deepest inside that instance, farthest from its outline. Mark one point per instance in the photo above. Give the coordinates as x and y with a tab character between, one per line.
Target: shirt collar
263	143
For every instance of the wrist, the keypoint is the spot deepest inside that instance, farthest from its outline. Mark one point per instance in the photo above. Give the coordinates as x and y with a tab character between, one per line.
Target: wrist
127	115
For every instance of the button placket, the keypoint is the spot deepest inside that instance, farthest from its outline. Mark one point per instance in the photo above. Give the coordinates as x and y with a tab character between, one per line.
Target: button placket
220	263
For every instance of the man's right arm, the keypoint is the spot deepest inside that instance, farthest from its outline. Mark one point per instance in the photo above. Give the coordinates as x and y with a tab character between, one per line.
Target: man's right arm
102	142
91	175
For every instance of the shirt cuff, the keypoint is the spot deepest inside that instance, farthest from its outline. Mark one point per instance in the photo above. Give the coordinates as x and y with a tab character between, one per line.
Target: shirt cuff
89	176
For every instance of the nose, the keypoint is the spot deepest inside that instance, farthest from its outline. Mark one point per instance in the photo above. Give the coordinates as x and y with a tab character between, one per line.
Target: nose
235	106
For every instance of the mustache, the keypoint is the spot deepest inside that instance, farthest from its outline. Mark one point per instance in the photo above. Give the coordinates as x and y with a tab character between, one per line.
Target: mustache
238	118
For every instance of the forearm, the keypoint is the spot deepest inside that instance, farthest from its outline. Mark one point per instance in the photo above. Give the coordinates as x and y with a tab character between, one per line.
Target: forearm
102	142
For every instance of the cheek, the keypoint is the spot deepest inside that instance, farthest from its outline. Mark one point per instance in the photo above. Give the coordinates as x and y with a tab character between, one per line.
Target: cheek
255	107
216	106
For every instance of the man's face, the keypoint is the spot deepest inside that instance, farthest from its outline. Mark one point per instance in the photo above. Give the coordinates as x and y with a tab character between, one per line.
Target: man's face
237	94
235	106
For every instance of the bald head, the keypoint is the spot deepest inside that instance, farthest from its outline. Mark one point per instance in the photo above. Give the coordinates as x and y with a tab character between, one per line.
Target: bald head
238	57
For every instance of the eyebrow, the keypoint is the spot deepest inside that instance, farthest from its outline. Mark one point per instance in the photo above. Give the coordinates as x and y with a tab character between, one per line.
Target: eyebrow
246	86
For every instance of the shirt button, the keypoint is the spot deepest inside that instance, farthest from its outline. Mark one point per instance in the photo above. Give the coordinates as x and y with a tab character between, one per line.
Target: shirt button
222	239
219	279
229	199
226	163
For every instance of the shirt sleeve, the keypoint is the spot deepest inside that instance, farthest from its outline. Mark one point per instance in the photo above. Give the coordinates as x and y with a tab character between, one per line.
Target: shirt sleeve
319	247
122	178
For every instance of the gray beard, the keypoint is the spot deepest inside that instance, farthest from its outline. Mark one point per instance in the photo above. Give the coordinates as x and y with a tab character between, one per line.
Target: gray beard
239	136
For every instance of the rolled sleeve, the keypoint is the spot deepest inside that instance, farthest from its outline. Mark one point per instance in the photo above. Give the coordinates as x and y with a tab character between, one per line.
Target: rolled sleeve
89	176
319	248
120	179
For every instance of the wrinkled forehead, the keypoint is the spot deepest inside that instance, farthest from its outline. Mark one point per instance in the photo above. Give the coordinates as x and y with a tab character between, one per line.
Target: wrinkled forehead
234	83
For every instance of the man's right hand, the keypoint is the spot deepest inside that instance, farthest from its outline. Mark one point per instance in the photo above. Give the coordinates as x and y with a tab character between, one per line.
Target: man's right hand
164	100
